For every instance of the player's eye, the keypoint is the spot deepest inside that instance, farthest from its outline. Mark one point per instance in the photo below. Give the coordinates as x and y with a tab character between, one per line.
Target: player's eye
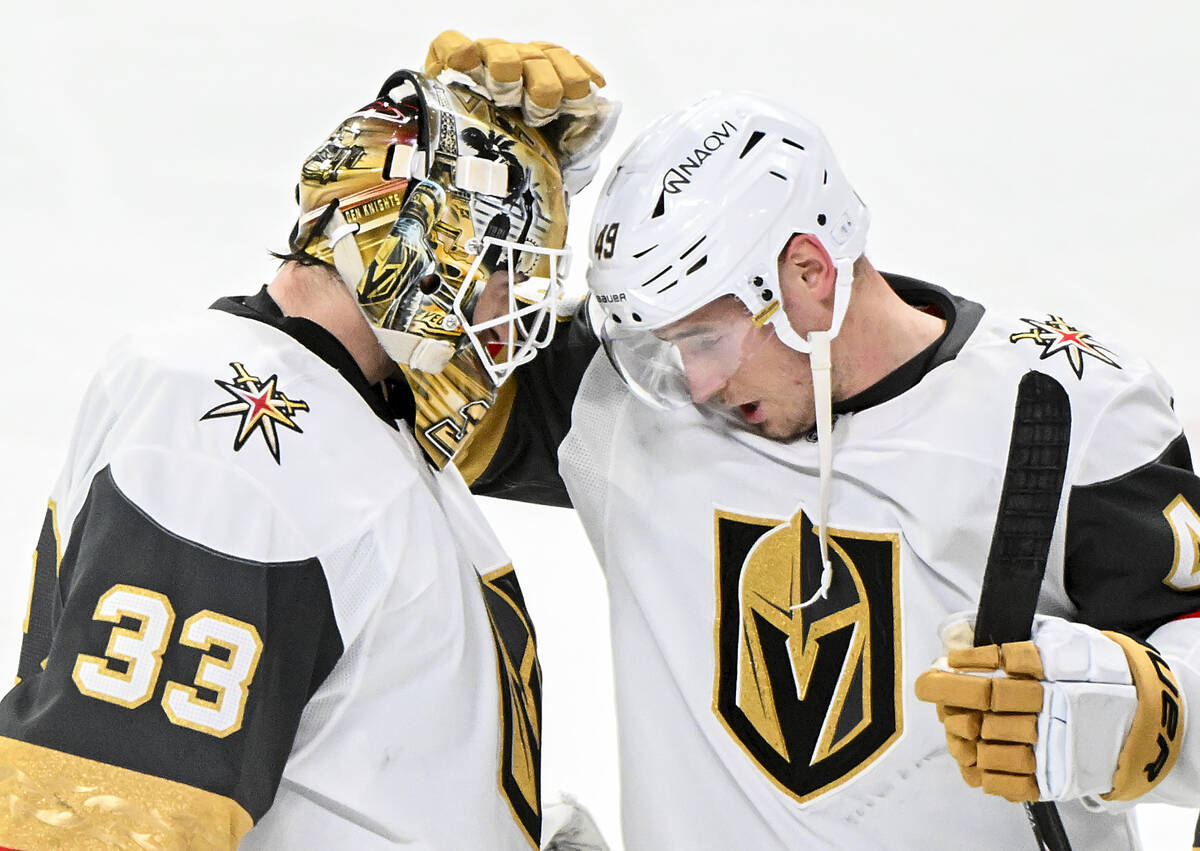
698	342
708	342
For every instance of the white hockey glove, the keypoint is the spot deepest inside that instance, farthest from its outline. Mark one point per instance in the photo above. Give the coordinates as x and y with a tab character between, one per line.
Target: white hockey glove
570	827
554	89
1073	712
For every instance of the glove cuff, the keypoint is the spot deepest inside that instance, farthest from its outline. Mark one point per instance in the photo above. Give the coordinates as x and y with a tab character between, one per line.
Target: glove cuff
1153	743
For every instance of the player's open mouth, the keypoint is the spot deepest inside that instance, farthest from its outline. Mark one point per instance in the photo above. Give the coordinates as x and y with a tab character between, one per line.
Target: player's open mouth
753	412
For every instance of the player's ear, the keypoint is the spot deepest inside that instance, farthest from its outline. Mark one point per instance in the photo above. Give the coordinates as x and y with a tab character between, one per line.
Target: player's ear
805	263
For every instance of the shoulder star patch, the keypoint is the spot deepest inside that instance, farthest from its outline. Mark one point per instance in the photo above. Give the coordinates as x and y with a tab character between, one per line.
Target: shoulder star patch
1054	335
261	407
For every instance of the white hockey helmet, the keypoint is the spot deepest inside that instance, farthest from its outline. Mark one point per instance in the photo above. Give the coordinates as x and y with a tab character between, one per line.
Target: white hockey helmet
701	206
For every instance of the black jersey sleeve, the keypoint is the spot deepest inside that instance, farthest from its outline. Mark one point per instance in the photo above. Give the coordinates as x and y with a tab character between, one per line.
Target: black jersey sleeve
1133	545
516	455
160	684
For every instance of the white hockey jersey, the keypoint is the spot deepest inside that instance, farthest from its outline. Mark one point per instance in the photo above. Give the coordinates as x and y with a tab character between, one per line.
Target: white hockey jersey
255	603
748	722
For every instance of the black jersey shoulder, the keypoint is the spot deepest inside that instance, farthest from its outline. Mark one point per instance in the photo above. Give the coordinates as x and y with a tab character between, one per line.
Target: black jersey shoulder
1124	542
279	613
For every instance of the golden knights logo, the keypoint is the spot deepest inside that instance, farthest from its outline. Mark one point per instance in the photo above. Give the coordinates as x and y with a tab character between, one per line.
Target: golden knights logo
1054	335
260	406
813	694
520	676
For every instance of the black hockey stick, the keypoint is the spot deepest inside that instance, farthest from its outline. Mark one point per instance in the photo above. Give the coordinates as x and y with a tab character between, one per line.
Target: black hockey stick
1033	482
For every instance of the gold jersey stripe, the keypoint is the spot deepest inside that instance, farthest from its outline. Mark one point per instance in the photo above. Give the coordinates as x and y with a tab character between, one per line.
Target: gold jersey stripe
53	800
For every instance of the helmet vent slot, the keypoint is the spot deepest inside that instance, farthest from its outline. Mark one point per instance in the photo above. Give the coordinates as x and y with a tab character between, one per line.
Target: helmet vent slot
641	254
755	138
668	286
661	206
793	144
698	264
656	277
694	247
780	176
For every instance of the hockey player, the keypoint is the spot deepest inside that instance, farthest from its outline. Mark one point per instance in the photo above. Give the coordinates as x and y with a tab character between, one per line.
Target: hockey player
259	615
790	466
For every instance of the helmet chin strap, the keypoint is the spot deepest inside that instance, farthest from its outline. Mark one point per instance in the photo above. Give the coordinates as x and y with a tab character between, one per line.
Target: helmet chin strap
411	350
821	363
817	346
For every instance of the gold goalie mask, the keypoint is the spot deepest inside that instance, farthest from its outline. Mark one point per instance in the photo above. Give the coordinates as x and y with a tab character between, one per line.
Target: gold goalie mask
419	199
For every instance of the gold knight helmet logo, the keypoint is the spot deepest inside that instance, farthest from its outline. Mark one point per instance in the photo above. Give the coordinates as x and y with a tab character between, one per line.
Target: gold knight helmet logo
812	694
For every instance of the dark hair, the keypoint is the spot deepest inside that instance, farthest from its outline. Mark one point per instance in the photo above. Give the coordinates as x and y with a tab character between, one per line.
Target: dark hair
303	258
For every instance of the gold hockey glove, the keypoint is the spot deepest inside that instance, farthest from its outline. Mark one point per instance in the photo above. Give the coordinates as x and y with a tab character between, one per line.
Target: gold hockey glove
548	83
511	71
1072	712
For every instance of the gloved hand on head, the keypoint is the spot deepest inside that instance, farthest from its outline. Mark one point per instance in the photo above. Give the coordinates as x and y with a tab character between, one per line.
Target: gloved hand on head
553	88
